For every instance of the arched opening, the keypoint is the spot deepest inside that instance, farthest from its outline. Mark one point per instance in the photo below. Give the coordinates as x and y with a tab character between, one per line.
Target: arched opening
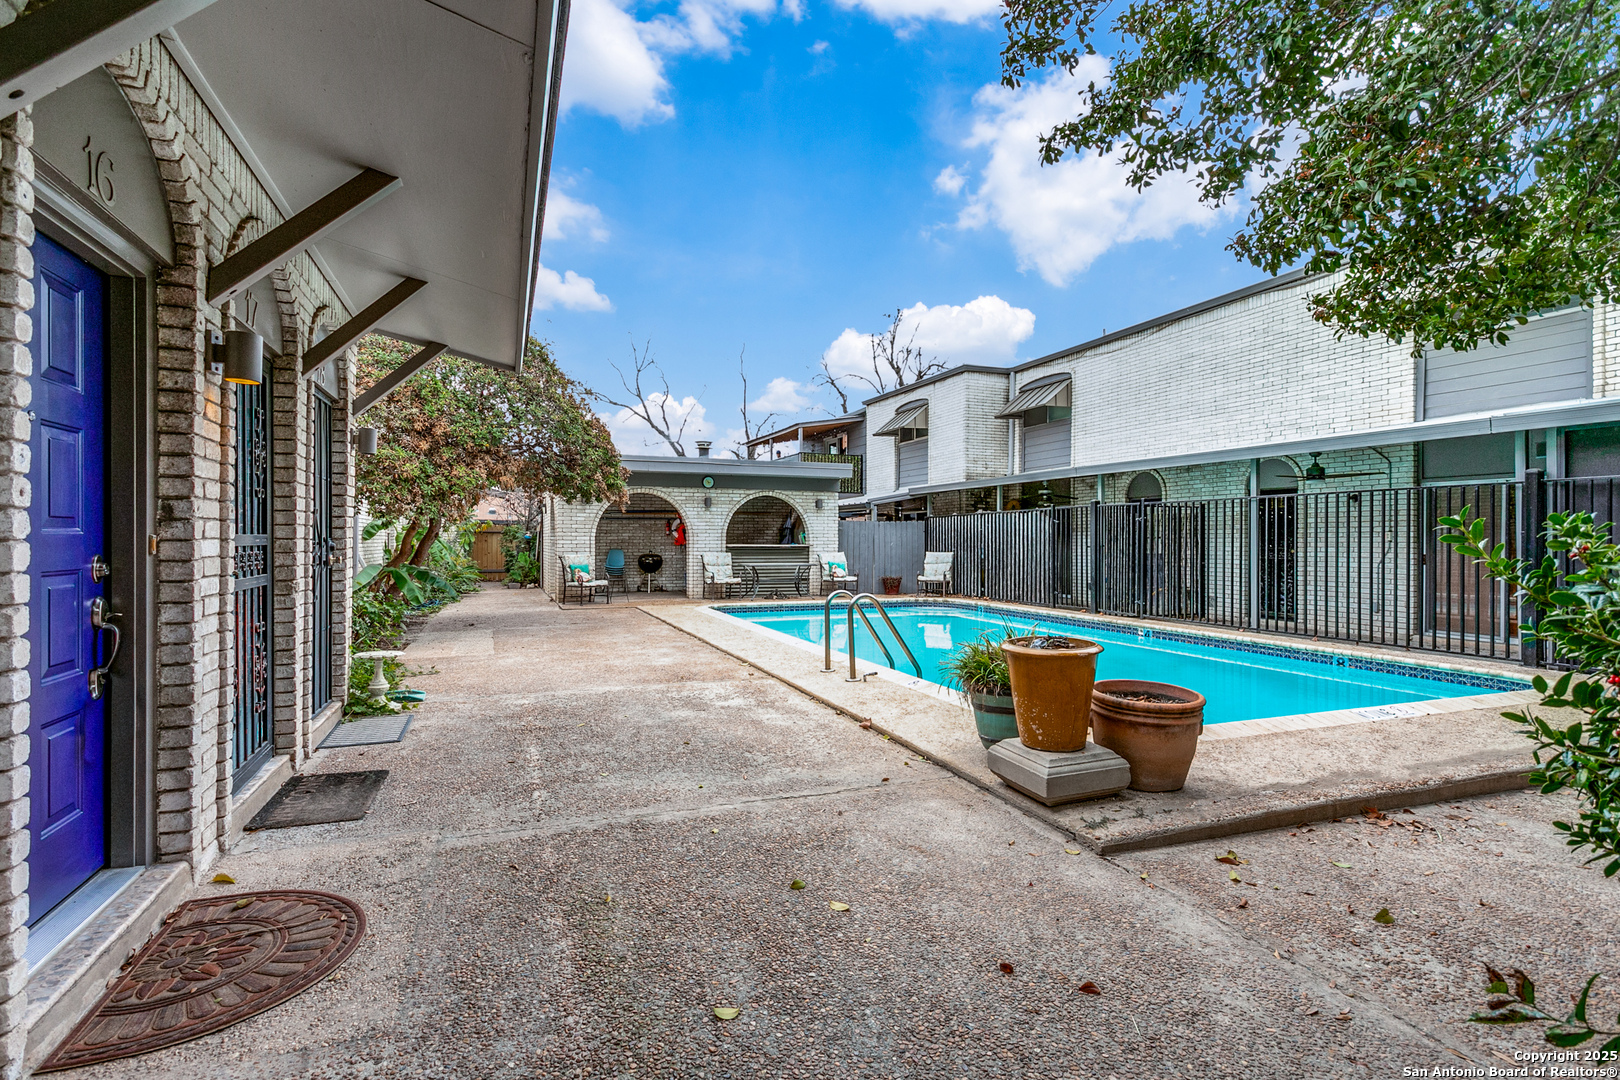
770	535
1277	477
648	525
1144	487
765	519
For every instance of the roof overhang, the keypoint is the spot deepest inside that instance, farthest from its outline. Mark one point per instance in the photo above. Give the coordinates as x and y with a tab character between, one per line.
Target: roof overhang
733	474
457	98
809	427
1524	418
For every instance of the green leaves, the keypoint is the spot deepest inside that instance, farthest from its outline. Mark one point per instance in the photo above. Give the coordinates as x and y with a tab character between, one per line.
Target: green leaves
1518	1006
1451	164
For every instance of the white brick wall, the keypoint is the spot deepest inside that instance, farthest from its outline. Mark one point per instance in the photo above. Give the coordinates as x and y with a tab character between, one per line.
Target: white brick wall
965	440
572	527
1254	371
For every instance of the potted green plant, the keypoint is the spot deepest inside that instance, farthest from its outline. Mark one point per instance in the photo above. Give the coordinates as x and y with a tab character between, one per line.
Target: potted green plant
979	668
1154	726
891	586
1051	678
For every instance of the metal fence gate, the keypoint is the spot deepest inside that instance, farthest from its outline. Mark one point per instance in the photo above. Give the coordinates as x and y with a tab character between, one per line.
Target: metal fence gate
1363	566
320	653
251	722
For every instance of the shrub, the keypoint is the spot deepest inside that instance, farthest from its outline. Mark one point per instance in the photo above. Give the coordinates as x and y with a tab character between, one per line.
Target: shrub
979	666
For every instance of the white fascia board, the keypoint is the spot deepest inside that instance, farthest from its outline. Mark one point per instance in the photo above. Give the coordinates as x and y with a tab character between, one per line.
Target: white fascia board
1524	418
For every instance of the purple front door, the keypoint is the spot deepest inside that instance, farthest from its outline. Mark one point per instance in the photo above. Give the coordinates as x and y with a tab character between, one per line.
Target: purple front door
67	733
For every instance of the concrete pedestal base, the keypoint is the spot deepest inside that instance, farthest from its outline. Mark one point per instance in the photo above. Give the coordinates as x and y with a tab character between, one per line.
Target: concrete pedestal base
1059	778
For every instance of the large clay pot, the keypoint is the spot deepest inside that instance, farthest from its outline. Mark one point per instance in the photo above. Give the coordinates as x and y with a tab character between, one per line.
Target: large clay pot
1158	738
993	713
1051	689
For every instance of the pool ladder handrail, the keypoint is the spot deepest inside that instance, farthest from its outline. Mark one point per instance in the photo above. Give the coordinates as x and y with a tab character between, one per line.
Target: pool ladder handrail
850	612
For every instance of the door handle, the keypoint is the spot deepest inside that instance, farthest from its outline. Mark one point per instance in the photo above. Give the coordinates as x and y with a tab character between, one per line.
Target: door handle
103	622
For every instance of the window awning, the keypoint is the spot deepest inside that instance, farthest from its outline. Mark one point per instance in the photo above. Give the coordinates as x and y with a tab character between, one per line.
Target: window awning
903	417
1033	399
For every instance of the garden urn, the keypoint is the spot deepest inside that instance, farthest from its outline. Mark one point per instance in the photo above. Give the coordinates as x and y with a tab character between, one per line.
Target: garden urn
1051	688
1154	726
993	715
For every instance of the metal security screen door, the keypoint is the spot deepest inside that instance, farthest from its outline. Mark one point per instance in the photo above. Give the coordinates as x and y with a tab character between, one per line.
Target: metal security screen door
250	733
320	654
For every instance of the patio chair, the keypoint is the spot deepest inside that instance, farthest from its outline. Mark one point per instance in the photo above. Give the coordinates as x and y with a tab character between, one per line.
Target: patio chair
717	570
936	571
614	570
578	576
835	573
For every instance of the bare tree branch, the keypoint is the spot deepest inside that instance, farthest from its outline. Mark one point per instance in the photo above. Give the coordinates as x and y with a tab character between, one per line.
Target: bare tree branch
651	406
751	431
893	365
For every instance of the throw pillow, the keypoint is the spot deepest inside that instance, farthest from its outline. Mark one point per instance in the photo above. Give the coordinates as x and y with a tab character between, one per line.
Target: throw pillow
837	569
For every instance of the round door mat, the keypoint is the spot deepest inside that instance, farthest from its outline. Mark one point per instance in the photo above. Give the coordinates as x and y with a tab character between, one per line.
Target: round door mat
216	960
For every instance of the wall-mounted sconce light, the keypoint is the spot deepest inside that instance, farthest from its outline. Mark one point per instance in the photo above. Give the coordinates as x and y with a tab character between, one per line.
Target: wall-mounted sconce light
1315	470
821	504
238	355
708	502
367	438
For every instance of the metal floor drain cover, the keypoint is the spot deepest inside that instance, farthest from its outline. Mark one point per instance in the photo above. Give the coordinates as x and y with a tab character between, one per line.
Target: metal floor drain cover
320	799
216	961
368	732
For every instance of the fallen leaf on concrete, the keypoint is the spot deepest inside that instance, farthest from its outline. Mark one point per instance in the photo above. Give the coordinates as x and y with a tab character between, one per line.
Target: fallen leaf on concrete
1482	903
885	779
797	884
836	906
1311	1012
1006	968
1243	903
1231	859
714	830
1232	876
1383	916
726	1014
1072	851
244	902
226	879
1089	987
1498	1053
1342	1016
1342	865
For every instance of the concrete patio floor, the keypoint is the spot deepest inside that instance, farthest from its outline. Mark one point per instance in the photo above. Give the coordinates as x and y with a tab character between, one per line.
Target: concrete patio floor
588	835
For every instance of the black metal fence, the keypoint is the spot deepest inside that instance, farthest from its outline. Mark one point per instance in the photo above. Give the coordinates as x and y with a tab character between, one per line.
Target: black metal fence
1359	566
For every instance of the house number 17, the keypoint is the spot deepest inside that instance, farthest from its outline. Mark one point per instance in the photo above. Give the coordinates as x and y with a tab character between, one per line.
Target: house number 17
98	166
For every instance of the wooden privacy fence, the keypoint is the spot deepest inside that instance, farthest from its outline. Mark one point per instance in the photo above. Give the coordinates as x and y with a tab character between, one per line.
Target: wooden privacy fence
880	549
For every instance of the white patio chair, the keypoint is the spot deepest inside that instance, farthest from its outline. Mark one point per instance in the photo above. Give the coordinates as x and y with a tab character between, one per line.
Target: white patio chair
717	570
835	573
575	565
936	572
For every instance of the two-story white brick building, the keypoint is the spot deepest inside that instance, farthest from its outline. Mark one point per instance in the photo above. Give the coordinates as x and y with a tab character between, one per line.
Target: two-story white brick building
1246	394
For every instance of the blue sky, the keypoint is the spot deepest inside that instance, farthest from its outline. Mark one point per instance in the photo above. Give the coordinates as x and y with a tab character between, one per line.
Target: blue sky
778	176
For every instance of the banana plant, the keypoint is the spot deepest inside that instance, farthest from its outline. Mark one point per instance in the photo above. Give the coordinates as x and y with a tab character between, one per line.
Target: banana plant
417	584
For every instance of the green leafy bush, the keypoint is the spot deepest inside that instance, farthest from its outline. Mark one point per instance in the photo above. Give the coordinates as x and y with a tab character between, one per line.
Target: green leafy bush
979	666
523	568
1578	611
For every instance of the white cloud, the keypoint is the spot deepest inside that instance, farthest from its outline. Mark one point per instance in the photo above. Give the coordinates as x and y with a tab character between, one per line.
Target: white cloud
987	330
949	181
611	69
567	290
568	218
1061	217
903	11
782	396
818	48
632	434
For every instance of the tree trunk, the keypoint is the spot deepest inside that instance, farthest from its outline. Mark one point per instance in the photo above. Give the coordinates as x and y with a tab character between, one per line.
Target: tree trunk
424	547
384	583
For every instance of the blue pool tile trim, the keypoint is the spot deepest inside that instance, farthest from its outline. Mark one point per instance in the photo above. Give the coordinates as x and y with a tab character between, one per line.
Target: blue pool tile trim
1497	683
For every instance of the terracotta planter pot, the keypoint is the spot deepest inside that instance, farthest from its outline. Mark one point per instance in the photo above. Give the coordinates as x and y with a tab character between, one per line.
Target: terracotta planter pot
891	586
1051	691
993	713
1157	738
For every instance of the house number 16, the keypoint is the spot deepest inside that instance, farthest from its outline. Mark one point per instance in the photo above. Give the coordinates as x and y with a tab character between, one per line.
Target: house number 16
98	172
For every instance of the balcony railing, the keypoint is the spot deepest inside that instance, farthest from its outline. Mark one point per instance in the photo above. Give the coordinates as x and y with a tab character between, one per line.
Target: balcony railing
855	484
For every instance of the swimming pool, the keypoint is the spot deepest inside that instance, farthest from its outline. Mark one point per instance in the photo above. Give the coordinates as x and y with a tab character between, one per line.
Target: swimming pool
1241	680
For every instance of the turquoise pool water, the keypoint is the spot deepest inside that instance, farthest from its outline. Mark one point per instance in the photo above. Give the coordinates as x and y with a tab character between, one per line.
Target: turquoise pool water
1240	680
